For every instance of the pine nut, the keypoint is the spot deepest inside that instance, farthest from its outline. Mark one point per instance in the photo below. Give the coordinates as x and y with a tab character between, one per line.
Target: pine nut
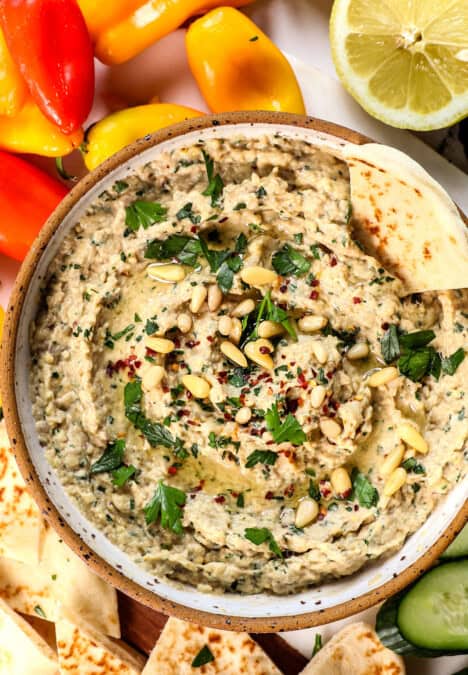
215	297
411	436
258	276
153	377
160	345
317	395
306	512
234	354
382	376
243	415
184	323
392	461
236	330
225	325
358	351
321	354
310	324
259	351
341	482
269	329
395	481
170	273
244	308
197	386
199	294
329	428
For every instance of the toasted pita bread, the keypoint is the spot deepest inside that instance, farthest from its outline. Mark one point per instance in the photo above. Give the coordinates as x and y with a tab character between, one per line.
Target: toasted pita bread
405	219
61	579
83	650
22	650
355	649
234	653
21	524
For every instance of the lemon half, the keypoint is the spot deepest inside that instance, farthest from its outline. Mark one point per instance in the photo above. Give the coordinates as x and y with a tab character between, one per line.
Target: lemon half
404	61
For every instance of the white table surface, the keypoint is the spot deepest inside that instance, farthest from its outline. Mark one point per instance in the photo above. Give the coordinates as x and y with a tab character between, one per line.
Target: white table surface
300	28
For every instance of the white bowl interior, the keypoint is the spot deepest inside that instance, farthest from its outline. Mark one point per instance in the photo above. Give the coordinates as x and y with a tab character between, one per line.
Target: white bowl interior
257	606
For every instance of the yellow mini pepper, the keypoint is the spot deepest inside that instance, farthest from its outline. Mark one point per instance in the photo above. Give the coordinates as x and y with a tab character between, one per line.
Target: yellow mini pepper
237	67
121	29
125	126
13	89
31	132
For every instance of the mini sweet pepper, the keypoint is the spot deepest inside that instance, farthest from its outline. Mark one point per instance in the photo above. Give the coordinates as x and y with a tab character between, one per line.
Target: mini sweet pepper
237	67
125	126
121	29
27	198
50	44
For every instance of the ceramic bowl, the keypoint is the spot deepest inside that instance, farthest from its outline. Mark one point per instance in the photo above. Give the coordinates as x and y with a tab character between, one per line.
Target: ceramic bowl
255	613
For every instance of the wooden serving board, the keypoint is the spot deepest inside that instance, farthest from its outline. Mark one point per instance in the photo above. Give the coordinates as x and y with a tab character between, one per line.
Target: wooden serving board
141	627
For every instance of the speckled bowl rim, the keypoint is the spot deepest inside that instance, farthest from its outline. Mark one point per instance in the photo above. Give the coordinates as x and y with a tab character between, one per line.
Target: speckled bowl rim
52	514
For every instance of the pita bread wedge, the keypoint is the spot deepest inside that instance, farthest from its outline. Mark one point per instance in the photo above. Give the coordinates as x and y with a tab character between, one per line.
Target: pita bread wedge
22	650
83	650
21	524
61	579
406	220
234	653
355	650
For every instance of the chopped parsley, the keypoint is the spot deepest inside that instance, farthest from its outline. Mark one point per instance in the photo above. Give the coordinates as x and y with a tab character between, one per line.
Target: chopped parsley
111	338
204	656
261	457
215	182
166	506
111	459
290	261
363	490
143	214
287	431
262	535
413	466
181	247
121	475
186	212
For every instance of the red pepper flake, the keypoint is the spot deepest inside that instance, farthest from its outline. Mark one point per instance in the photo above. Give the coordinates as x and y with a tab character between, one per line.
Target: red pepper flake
192	343
325	410
325	488
227	417
172	470
333	262
385	326
183	413
269	442
269	495
356	507
150	352
357	301
291	405
264	350
220	499
283	288
199	487
289	490
210	338
189	394
165	388
176	341
329	374
345	494
194	229
315	282
314	295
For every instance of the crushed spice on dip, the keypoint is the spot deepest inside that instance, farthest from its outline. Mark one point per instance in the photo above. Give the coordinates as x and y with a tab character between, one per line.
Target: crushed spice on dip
230	388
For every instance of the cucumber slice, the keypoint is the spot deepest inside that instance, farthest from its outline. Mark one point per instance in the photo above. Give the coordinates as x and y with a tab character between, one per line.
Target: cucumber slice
433	614
459	547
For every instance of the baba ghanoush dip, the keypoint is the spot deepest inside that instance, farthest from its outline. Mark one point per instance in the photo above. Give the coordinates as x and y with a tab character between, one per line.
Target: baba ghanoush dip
229	388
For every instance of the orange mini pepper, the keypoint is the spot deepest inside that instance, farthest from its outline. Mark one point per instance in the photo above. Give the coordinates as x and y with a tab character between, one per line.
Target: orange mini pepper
237	66
119	129
13	88
121	29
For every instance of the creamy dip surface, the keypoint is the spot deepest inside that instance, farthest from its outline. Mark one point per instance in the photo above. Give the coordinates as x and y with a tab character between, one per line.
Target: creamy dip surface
229	388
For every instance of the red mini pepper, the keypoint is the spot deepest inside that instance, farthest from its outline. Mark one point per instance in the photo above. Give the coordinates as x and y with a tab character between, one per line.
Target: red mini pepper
50	44
27	198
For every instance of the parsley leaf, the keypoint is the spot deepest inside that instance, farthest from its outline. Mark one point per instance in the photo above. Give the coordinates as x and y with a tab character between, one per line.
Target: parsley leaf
155	433
363	490
186	212
261	457
111	459
290	430
166	506
314	490
121	475
225	262
419	338
290	261
180	247
262	535
416	363
451	363
239	377
215	182
204	656
143	214
390	344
